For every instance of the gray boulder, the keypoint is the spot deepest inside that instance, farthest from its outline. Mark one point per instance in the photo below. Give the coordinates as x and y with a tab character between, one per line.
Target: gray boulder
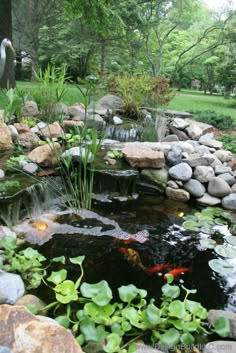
210	142
195	188
220	169
109	101
204	173
229	178
229	202
223	156
209	200
174	156
170	138
11	288
179	123
218	187
181	172
194	131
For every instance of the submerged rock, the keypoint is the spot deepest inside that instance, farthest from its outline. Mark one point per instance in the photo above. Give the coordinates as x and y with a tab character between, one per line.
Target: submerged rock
156	176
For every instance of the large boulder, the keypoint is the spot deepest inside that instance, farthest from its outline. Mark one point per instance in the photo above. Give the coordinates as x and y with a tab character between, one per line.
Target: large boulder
181	171
218	187
23	332
11	288
5	136
143	157
46	155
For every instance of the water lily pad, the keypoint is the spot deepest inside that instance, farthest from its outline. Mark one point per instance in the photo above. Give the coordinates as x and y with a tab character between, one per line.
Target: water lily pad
231	240
221	266
225	251
191	225
220	221
190	218
208	243
207	230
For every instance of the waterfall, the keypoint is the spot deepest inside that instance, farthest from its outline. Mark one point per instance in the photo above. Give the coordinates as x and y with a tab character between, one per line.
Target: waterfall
124	134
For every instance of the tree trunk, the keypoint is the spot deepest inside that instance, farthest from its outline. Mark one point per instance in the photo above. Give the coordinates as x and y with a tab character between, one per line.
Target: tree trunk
8	78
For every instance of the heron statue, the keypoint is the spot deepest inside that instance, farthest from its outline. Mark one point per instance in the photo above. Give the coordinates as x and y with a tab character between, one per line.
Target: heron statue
5	43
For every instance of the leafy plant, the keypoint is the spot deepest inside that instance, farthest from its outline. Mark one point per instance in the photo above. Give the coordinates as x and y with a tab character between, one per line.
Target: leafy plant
229	142
220	121
27	120
4	185
16	100
13	163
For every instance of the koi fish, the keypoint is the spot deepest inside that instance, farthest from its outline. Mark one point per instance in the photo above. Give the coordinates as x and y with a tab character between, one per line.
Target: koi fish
159	268
133	257
177	271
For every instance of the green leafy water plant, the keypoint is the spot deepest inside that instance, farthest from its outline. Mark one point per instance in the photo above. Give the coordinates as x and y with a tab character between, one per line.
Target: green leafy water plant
5	185
13	163
16	100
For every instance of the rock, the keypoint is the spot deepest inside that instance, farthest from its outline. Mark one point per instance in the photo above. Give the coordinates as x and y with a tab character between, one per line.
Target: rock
95	121
202	150
170	138
216	160
218	187
14	132
61	108
32	302
28	139
232	164
186	147
117	121
195	188
30	109
196	160
11	288
52	130
182	136
2	174
177	114
194	131
5	136
223	156
46	155
220	347
177	194
76	110
110	161
215	314
206	128
206	141
76	153
23	332
5	350
109	101
229	178
172	184
157	176
181	172
229	202
21	128
68	124
204	173
30	168
174	156
143	157
233	189
179	123
221	169
206	199
193	143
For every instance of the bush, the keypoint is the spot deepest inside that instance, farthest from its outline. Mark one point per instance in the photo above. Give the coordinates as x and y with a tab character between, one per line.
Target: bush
138	90
220	121
229	142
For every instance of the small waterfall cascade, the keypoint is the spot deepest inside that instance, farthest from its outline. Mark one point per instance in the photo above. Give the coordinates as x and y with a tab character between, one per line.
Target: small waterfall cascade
129	133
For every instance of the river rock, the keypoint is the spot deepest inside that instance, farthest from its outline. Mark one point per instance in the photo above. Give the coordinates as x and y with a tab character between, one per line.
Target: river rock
196	160
221	169
5	136
30	109
182	136
30	168
177	194
194	131
186	147
14	132
228	177
172	184
157	176
206	128
220	347
218	187
195	188
11	288
204	173
202	150
210	142
46	155
23	332
174	156
77	110
181	171
28	139
233	189
53	130
229	202
143	157
209	200
223	156
215	314
179	123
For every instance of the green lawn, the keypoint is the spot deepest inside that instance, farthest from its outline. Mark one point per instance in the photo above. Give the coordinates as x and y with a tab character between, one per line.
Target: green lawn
190	101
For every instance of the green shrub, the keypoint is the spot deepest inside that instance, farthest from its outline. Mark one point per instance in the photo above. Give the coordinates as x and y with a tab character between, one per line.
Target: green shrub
220	121
229	142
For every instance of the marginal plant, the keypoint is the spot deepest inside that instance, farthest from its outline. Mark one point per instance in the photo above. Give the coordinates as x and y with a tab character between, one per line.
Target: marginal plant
15	102
87	89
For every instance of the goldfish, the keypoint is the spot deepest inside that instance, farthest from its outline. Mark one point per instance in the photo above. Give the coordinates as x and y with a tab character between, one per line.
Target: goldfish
159	268
177	271
133	257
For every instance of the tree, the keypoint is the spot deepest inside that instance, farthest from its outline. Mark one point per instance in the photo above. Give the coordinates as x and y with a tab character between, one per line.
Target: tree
8	79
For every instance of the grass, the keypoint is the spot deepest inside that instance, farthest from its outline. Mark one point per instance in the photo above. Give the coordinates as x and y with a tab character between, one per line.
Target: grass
190	101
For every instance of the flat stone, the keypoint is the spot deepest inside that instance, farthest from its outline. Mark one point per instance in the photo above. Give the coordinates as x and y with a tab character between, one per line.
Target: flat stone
174	156
143	157
229	202
46	155
195	188
221	169
204	173
228	177
206	128
204	140
209	200
231	316
179	123
172	184
177	114
196	160
170	138
182	136
220	347
194	131
52	130
177	194
11	288
181	171
218	187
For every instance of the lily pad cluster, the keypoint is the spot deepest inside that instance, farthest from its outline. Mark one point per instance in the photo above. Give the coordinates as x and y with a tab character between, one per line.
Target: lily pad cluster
205	220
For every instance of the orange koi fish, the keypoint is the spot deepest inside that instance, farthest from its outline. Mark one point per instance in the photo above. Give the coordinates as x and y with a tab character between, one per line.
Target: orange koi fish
133	257
159	268
177	271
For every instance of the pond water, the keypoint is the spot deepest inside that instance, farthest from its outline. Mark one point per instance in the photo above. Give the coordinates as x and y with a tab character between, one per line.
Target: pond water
121	261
